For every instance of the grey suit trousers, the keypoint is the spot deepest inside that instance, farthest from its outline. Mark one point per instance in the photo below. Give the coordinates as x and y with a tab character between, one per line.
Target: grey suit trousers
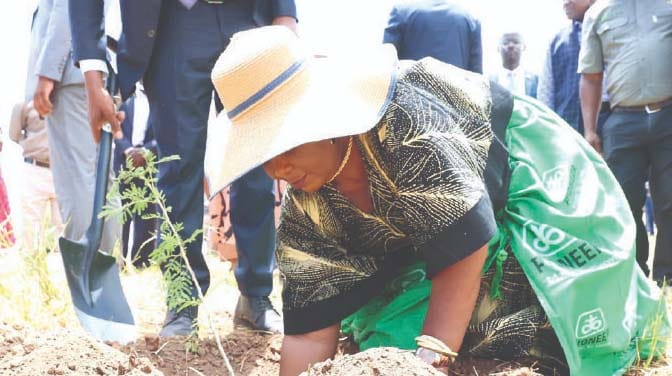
73	155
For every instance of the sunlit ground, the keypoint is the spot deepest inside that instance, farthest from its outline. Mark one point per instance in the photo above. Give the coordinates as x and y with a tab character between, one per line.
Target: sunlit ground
34	294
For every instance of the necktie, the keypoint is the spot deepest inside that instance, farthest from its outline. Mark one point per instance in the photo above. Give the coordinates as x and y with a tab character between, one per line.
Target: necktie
188	3
511	83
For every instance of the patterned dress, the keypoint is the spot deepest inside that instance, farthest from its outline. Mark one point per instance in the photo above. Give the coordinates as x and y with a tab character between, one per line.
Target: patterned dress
427	161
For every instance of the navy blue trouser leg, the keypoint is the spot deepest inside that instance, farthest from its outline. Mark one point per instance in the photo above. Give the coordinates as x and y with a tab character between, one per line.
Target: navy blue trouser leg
125	235
180	91
252	201
638	146
143	230
624	144
660	185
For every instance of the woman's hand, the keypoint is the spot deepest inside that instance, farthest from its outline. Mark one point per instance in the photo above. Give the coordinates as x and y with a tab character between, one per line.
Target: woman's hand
452	300
435	353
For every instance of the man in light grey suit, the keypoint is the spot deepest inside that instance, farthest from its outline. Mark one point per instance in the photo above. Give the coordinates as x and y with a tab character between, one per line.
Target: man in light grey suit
57	89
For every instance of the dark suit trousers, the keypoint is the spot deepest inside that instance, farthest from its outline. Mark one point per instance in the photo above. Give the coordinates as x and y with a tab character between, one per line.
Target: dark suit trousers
179	90
143	230
638	146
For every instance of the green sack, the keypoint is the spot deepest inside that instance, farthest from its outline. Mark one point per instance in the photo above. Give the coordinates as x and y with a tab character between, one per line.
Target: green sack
569	226
395	317
582	267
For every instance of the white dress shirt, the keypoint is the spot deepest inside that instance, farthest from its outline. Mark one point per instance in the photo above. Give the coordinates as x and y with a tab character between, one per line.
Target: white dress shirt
140	117
513	80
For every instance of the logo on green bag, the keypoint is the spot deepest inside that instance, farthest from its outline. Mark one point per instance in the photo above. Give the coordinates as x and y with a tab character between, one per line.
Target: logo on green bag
556	182
590	323
544	238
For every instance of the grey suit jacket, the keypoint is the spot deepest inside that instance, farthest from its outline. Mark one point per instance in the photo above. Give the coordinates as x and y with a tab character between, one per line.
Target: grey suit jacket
50	47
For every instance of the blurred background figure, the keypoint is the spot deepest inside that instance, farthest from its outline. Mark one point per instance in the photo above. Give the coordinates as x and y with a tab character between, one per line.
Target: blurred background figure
39	208
137	141
57	89
512	75
6	231
559	80
633	39
437	28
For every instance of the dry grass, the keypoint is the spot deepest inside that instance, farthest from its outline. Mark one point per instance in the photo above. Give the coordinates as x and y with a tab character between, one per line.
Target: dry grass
34	293
33	290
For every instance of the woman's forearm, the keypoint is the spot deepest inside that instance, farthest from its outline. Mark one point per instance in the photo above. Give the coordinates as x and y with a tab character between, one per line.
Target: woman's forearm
453	297
300	351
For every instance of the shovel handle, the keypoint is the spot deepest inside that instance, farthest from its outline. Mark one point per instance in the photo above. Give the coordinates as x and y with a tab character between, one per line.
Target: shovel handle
95	231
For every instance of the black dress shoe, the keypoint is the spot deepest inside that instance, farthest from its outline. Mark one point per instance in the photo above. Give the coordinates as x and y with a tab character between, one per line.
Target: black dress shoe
181	323
258	313
664	280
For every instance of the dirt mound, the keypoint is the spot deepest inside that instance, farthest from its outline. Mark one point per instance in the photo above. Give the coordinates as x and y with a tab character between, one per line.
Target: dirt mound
390	361
63	352
472	366
250	353
380	361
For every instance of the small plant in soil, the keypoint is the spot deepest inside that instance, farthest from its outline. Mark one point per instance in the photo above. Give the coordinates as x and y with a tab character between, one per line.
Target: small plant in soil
170	253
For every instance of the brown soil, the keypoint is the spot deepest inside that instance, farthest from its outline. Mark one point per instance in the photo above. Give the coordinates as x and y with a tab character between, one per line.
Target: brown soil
66	352
390	361
249	352
63	352
381	361
470	366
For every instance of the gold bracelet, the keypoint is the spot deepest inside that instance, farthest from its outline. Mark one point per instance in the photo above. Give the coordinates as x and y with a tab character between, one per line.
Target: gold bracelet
433	351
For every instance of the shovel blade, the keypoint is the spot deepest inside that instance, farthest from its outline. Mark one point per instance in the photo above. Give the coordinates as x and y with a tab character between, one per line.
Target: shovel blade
97	294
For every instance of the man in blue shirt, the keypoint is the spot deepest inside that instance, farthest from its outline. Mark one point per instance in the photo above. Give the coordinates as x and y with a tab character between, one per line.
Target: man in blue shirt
632	39
436	28
559	81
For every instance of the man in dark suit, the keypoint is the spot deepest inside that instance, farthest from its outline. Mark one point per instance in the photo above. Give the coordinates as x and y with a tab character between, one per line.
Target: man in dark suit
173	45
436	28
137	141
512	75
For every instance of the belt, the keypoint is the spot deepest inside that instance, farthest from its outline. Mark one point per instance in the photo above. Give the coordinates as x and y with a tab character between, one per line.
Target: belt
605	107
650	108
36	163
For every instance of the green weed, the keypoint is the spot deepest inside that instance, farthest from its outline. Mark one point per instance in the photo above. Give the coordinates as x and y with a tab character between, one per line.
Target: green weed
170	253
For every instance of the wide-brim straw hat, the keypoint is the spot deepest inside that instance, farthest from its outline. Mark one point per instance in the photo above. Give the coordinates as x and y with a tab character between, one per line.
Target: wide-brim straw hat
277	97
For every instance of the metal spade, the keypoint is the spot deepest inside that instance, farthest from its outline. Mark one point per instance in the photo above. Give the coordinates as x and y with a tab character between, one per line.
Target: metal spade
93	276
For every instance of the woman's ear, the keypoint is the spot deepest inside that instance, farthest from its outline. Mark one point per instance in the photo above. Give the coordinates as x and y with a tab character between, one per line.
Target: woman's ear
268	168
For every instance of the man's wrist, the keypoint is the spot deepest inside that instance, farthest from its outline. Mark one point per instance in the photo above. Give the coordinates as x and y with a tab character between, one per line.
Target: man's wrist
87	65
588	134
45	78
93	79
